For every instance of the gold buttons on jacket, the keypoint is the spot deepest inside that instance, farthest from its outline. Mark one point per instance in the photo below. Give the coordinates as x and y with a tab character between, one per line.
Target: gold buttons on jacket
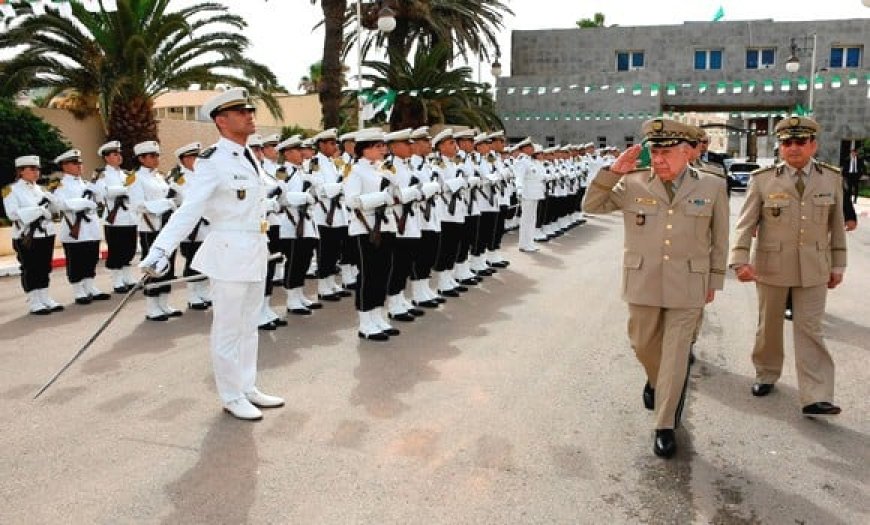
668	242
670	226
667	257
670	212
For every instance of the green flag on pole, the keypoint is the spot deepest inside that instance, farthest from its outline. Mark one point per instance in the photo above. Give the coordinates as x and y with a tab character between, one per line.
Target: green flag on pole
720	14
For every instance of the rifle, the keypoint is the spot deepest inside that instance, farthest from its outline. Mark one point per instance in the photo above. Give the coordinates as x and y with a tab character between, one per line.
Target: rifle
120	204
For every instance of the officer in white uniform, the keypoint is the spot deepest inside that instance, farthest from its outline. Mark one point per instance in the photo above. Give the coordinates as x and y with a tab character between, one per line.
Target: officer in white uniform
530	190
227	187
430	224
197	291
80	227
29	207
119	220
451	211
349	256
153	200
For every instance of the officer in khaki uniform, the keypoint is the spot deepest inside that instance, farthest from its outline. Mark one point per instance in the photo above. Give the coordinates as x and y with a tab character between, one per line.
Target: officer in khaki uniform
796	207
676	242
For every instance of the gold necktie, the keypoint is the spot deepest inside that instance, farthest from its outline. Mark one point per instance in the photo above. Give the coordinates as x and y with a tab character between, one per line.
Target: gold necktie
669	187
799	185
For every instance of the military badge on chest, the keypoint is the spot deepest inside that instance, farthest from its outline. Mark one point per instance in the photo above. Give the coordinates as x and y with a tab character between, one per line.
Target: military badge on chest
241	194
640	219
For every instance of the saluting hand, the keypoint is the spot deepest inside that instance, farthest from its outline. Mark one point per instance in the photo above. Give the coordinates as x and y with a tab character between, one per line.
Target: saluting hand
745	273
627	161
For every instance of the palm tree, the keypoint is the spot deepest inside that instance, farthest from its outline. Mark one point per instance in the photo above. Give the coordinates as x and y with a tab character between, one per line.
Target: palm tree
466	27
430	95
331	66
119	61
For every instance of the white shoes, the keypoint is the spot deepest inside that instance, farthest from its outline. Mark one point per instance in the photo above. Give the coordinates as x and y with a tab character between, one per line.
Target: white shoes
261	400
49	303
153	312
241	408
35	305
163	303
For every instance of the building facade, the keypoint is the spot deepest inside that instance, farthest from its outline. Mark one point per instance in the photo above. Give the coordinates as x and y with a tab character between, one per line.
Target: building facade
598	84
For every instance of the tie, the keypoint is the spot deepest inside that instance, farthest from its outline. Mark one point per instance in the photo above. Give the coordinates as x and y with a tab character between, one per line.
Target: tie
853	167
669	187
799	185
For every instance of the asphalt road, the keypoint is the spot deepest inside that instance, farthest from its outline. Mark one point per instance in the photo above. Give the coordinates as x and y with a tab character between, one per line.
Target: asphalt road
519	403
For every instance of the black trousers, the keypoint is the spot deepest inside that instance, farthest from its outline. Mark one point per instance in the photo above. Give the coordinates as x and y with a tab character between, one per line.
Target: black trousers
188	251
298	253
274	245
35	261
146	239
540	220
405	252
329	249
349	250
466	240
121	241
448	245
486	232
853	182
421	266
375	264
81	260
499	227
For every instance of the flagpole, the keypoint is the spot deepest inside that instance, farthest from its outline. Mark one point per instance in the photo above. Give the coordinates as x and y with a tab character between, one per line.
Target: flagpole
359	103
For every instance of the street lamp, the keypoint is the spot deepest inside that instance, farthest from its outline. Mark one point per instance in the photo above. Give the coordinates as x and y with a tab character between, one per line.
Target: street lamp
793	64
386	23
496	72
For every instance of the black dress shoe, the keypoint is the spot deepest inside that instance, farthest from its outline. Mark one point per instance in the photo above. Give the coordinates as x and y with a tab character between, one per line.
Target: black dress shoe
380	336
102	296
822	408
197	306
441	300
460	288
279	322
344	293
332	297
416	312
315	306
761	389
43	311
426	304
299	311
83	300
467	282
449	293
122	289
649	397
665	443
499	264
405	317
392	331
175	313
268	326
162	317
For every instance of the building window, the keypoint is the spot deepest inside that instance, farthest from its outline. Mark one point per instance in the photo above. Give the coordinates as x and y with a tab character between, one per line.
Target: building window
708	59
628	60
846	56
760	58
629	141
602	142
551	141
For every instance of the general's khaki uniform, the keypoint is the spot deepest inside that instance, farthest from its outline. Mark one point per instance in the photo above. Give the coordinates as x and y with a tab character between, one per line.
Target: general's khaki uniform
799	240
674	252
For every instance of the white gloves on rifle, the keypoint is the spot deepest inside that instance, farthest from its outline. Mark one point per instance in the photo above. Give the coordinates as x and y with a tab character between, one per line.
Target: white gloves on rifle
156	263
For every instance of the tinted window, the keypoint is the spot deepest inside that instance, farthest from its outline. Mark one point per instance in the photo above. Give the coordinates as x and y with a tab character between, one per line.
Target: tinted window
637	60
767	56
700	60
751	59
853	57
622	61
742	167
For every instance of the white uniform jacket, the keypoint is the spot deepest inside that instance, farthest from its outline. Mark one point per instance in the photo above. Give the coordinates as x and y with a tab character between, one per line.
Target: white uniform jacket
228	188
325	171
182	186
530	177
68	193
29	207
446	170
402	178
297	181
148	192
367	179
113	191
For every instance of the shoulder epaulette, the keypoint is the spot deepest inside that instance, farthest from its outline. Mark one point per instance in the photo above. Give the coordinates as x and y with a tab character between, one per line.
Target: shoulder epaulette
54	185
98	173
207	152
711	172
339	162
346	170
313	164
762	170
829	166
6	190
131	178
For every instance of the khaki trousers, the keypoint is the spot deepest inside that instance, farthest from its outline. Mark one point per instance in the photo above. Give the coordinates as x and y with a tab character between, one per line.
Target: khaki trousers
660	338
815	368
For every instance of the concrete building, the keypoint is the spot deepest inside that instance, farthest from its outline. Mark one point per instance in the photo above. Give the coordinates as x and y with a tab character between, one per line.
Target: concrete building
299	110
599	84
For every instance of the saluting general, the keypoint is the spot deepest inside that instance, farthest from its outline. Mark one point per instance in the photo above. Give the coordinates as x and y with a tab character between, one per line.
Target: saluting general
676	241
227	188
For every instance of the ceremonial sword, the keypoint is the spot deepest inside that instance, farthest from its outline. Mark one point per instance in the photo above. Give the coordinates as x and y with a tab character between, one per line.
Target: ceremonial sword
138	286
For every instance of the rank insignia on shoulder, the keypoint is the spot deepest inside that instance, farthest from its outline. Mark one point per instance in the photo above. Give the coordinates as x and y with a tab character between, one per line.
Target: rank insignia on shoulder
347	168
339	162
131	178
98	174
207	152
6	190
180	180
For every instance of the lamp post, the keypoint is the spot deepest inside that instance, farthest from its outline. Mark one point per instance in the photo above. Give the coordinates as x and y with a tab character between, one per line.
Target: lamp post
793	64
496	72
386	23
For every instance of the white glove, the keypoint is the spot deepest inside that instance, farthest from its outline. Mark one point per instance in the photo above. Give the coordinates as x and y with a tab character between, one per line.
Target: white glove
407	195
31	213
431	188
156	263
159	206
80	204
332	189
271	205
116	191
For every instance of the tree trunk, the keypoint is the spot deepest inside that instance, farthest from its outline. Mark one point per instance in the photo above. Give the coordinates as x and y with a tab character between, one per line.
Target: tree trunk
132	121
333	40
408	112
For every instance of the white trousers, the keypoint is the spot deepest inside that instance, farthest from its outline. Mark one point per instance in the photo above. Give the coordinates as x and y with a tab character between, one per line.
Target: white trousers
236	306
527	223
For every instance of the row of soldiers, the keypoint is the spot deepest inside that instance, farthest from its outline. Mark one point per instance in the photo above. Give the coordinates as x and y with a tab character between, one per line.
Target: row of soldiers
452	198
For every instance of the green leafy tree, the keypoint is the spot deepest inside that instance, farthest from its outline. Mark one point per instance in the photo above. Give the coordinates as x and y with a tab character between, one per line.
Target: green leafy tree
433	95
597	20
117	62
25	134
332	77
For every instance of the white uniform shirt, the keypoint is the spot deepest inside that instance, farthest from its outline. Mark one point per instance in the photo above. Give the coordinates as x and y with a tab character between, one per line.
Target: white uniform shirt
530	177
296	182
446	170
182	186
489	179
325	171
227	188
148	188
22	195
116	180
402	179
423	171
71	187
